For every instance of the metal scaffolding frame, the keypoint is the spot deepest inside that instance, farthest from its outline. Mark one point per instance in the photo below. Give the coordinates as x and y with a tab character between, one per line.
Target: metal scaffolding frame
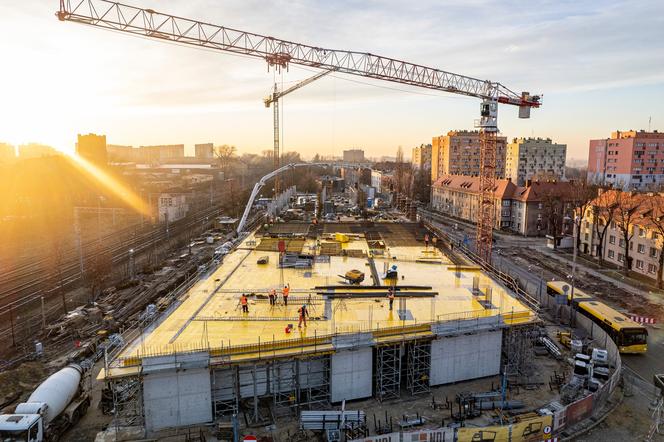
127	402
388	372
518	351
418	366
224	396
284	383
316	394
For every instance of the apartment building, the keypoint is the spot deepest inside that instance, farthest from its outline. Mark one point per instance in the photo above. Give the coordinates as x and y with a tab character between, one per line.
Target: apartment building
204	151
458	153
645	244
536	209
354	156
145	154
421	156
628	160
92	147
535	159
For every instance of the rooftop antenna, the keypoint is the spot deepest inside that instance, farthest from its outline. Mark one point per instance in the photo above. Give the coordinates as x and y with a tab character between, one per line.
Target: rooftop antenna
649	122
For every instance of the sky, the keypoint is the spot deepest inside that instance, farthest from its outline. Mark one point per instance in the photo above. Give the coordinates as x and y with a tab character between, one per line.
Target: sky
598	64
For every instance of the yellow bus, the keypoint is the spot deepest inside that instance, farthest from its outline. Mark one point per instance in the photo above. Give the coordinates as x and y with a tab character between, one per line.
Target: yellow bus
629	336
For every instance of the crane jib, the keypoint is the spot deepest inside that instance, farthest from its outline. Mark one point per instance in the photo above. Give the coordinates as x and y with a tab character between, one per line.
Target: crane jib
281	53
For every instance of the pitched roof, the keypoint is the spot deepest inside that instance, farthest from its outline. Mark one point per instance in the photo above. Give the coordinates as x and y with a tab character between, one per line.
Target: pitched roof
506	189
471	184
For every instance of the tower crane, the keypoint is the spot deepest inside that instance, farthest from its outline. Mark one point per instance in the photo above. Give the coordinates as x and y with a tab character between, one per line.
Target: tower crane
274	100
281	53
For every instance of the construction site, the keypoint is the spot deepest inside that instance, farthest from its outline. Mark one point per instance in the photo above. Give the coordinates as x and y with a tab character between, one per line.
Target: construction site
342	313
206	360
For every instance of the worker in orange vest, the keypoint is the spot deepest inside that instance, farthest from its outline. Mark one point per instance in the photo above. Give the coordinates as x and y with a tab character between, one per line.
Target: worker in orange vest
303	315
426	240
244	302
273	296
390	296
285	292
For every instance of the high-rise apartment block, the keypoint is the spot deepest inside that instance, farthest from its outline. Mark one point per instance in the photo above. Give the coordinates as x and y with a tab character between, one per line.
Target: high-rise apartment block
421	158
92	148
204	151
535	159
458	153
628	160
354	156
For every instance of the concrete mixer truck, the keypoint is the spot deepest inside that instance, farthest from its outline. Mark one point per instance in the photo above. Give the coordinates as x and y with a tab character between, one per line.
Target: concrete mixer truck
54	406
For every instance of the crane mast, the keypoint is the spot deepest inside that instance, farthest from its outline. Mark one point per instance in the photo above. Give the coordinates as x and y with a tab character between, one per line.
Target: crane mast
281	53
274	100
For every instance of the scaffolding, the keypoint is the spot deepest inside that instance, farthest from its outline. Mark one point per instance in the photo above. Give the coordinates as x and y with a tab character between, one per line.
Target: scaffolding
127	402
388	372
224	388
418	366
518	352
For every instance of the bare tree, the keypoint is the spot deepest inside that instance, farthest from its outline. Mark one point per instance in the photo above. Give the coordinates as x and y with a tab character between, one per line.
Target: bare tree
655	216
626	207
603	212
582	195
225	153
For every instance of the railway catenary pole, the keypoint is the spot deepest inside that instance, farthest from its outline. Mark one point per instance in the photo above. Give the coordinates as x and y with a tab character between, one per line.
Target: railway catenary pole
280	54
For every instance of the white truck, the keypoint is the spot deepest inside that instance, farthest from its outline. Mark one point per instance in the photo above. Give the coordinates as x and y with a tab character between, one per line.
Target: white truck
54	406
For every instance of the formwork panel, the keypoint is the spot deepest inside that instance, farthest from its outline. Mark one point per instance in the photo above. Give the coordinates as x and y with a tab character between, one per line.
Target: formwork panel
173	399
464	357
253	381
351	374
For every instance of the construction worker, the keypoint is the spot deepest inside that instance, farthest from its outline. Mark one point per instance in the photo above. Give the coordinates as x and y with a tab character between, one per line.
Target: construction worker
426	240
390	296
285	292
245	303
273	296
303	315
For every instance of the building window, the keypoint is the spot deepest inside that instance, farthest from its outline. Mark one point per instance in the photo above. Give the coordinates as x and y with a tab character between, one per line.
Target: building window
655	235
653	252
642	232
612	239
641	248
639	264
652	268
621	243
613	225
611	254
621	257
631	246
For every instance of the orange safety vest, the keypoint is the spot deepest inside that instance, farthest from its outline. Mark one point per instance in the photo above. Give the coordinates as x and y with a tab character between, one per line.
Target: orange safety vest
243	300
286	290
391	296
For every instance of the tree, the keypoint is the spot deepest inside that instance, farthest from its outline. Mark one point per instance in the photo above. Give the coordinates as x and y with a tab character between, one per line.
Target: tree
422	186
654	214
225	153
582	195
626	208
602	209
54	263
99	270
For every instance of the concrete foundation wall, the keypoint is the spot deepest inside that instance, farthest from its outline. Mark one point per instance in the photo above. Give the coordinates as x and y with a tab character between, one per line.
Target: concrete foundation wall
351	373
174	399
465	357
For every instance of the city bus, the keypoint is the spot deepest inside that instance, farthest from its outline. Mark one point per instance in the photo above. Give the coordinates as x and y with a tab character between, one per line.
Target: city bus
629	336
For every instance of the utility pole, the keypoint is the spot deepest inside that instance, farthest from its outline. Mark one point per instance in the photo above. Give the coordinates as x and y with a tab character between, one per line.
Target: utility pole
573	276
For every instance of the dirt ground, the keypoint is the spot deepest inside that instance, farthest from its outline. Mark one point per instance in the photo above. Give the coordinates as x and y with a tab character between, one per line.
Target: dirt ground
411	406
